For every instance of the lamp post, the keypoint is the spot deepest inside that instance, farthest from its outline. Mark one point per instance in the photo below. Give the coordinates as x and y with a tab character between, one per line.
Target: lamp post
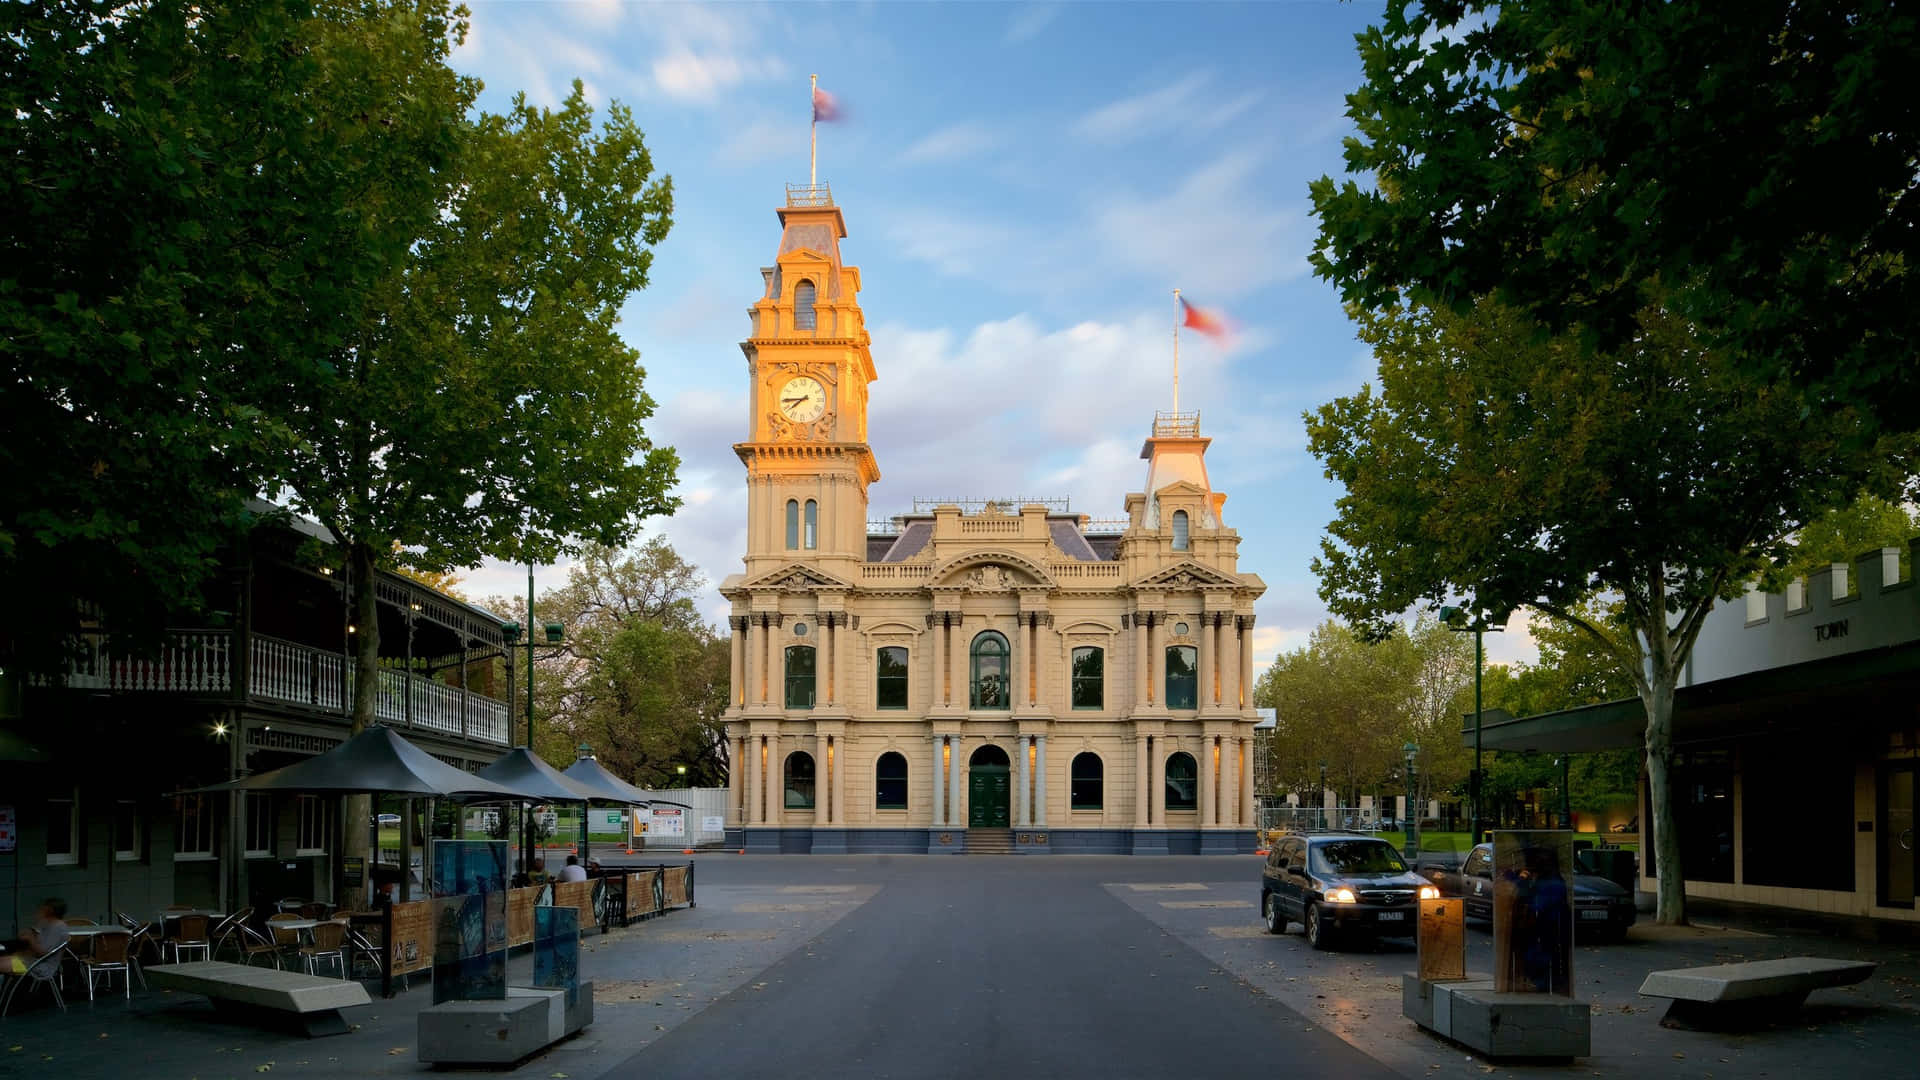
1412	751
1566	790
1321	798
681	770
556	636
1457	619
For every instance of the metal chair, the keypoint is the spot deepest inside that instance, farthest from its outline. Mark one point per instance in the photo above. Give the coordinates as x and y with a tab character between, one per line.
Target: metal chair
290	904
112	951
363	941
329	943
142	938
43	972
228	929
285	942
190	935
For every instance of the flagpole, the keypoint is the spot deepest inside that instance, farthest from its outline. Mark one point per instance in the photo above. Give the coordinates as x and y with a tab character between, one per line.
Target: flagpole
1176	352
813	132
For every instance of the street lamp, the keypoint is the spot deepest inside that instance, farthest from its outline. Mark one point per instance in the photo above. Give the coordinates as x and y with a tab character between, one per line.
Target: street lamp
1457	619
1322	798
682	771
1412	751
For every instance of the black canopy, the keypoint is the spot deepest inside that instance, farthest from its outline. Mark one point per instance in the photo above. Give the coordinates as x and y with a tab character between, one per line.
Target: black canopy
524	771
607	788
375	761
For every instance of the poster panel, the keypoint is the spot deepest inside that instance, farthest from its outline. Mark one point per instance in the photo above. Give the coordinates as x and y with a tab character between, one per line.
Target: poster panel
1443	939
556	950
669	821
469	920
1533	912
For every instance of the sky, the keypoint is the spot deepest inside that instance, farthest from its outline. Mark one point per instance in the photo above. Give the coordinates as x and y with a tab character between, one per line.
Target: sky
1024	186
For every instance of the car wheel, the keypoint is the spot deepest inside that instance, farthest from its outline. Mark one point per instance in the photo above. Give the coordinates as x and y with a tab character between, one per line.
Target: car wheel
1319	934
1270	910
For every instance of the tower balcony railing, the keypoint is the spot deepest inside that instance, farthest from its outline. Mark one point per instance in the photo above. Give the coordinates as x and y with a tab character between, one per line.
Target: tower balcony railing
203	663
1176	425
809	195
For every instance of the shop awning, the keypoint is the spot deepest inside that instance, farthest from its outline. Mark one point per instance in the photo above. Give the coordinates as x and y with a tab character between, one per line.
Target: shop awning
607	787
524	771
1815	694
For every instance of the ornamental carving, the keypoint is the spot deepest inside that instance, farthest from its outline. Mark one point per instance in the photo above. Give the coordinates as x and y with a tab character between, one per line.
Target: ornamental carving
799	583
990	578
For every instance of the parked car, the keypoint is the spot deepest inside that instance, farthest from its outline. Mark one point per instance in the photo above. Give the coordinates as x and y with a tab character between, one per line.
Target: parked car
1602	910
1340	886
389	819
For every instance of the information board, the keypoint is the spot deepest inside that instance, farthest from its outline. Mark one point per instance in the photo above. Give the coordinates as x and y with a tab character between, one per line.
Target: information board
713	823
669	821
9	832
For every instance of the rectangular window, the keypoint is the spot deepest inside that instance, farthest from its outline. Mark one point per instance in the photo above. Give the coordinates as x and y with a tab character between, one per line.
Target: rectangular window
1796	595
129	832
63	830
259	825
313	826
890	678
193	832
1089	678
1756	604
799	676
1183	677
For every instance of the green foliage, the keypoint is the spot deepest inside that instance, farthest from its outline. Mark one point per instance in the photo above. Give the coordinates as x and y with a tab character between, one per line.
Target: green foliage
1749	165
1844	533
1354	704
642	680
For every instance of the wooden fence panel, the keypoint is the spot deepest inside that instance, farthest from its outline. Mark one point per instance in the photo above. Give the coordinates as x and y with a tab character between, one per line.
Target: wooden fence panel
578	895
411	947
520	915
675	880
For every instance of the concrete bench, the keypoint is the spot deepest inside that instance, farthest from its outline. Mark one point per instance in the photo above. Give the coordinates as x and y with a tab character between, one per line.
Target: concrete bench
313	1003
1750	994
1505	1027
502	1031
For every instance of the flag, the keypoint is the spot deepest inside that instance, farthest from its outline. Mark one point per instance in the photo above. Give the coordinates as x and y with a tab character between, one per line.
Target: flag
1210	323
825	108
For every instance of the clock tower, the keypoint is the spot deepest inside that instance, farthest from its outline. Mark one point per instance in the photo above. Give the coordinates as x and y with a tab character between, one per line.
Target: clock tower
808	368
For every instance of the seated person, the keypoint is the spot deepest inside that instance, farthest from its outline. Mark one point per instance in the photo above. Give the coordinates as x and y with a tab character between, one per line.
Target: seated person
573	871
539	876
47	934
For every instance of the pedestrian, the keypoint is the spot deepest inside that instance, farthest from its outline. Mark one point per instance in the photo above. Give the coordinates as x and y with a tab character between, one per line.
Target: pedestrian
46	935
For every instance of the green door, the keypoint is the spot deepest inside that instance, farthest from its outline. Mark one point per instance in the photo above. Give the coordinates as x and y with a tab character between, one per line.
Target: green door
987	792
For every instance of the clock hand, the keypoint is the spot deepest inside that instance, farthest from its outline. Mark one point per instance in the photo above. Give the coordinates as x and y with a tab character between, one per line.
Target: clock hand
792	400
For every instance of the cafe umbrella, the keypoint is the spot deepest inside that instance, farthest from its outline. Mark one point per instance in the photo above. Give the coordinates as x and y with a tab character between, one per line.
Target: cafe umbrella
524	771
608	790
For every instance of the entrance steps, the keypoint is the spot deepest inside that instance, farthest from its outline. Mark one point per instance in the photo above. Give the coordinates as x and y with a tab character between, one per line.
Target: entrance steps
989	841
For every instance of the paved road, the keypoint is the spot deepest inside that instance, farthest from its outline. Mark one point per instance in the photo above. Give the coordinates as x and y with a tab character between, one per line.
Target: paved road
980	966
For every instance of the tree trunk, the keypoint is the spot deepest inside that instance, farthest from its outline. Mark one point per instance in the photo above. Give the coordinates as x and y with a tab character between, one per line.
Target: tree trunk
1656	694
365	640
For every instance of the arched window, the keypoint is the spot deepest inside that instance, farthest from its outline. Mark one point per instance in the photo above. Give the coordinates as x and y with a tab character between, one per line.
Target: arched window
991	671
793	523
1183	677
1179	530
812	535
1183	782
890	678
803	306
799	676
799	780
890	782
1089	678
1087	779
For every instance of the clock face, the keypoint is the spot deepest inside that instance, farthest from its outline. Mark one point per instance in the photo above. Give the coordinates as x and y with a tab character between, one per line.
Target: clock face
803	400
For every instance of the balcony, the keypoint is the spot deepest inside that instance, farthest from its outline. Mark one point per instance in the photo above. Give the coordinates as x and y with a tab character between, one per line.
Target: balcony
202	662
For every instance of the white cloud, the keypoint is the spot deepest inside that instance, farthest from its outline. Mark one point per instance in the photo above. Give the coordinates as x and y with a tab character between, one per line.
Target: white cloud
1216	234
686	75
1188	104
951	143
1028	21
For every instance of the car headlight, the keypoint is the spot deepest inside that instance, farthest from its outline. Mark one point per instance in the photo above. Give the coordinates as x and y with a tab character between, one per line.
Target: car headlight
1428	892
1340	896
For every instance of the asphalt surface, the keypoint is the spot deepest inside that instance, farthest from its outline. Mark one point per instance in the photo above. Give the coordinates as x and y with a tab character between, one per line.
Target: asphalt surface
995	966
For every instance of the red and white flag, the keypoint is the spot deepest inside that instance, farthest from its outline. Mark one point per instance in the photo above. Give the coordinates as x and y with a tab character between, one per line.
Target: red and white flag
826	109
1211	323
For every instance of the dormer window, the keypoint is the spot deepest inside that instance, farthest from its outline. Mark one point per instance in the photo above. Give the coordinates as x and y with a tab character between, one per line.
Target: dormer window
1179	530
803	306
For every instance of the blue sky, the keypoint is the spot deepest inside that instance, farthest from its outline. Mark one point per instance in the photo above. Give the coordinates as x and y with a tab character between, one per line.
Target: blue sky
1024	185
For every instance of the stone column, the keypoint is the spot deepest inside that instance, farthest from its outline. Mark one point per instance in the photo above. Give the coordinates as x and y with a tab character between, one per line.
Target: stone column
776	663
843	687
776	780
1157	658
1141	819
756	787
756	660
956	814
1033	657
738	671
1020	781
1157	779
840	764
1246	660
1040	782
1203	699
1248	812
938	778
736	777
957	684
823	670
1209	787
1142	668
1229	664
937	622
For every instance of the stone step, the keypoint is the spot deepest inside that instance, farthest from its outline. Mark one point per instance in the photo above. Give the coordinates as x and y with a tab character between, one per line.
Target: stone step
989	841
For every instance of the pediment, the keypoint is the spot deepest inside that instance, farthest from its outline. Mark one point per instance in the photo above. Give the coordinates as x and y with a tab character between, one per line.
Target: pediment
1182	487
798	577
1185	575
990	571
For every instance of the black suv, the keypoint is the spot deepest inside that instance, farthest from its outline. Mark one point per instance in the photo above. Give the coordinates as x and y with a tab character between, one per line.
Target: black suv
1340	885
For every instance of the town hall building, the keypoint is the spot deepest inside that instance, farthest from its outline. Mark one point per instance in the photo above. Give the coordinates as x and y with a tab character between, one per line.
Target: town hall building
982	676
